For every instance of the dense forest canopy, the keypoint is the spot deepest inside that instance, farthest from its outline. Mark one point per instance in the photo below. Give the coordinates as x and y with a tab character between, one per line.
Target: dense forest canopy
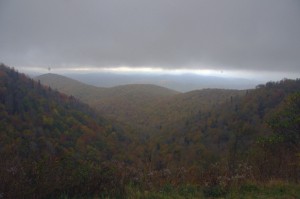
143	136
51	143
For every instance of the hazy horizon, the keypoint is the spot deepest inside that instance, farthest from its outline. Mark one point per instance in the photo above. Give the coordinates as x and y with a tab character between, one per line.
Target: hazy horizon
179	82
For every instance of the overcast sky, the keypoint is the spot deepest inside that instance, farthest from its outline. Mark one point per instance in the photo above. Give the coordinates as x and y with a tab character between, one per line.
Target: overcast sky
223	35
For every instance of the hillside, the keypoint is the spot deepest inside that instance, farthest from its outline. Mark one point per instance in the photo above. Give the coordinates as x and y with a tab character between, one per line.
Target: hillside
238	132
76	88
209	143
52	144
70	86
149	109
128	104
175	112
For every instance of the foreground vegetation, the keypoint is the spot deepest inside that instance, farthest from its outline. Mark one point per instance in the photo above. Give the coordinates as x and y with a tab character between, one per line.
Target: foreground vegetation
271	190
245	146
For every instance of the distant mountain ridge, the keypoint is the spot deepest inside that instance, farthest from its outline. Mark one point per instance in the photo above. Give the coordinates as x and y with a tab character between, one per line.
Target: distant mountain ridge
144	106
69	86
54	146
178	82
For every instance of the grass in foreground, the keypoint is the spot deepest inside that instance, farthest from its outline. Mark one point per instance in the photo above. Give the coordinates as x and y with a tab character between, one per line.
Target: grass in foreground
272	190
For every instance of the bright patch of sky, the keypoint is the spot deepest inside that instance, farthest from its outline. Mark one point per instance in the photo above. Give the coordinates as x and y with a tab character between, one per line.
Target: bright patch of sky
251	75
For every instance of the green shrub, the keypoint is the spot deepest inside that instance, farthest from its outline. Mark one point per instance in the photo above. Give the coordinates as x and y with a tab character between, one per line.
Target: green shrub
214	191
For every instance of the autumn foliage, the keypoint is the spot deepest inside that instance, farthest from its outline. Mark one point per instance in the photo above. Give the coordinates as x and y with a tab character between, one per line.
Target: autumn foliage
53	145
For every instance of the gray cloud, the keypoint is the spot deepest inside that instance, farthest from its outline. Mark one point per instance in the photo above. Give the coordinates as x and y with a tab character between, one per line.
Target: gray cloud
219	34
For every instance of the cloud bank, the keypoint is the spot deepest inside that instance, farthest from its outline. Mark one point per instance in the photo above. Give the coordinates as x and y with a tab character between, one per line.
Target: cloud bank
255	35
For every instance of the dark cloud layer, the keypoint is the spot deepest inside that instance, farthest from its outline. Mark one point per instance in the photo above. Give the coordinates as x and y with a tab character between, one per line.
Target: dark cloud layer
215	34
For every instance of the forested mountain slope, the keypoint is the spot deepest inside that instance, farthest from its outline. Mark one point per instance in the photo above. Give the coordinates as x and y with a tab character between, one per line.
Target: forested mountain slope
126	104
200	128
149	109
78	89
259	130
218	140
70	86
176	112
131	104
52	144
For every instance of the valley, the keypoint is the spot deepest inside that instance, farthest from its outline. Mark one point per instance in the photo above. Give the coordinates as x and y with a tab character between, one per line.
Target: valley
148	108
61	137
109	99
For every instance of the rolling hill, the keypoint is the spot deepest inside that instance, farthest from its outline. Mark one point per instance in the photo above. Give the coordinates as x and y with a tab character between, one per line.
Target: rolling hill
257	130
213	142
70	86
48	142
179	82
149	109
